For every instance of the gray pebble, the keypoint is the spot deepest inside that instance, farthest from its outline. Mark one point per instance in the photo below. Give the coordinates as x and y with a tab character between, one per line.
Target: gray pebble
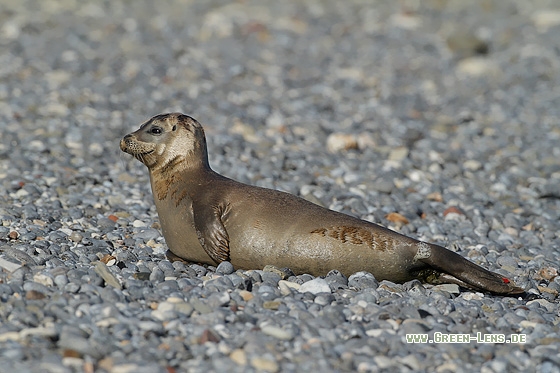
271	89
61	281
34	286
157	275
147	234
225	268
324	299
200	270
362	280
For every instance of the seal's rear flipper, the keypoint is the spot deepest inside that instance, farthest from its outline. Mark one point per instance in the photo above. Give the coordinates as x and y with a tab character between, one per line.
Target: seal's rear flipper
473	276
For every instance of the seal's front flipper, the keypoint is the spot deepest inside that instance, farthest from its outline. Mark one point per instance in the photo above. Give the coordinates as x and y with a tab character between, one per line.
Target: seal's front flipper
211	232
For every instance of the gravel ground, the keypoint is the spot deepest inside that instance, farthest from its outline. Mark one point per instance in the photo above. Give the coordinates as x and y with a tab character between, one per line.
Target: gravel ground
438	119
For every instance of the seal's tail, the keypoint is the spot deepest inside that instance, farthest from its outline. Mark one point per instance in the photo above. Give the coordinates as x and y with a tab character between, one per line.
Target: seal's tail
471	274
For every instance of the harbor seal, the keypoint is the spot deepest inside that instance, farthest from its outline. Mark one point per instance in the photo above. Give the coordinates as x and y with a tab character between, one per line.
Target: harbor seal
209	218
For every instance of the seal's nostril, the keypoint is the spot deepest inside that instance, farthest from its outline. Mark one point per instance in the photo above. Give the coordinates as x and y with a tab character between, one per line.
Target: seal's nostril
128	136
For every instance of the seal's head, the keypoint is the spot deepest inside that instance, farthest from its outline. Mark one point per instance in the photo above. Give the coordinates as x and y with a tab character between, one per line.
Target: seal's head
167	140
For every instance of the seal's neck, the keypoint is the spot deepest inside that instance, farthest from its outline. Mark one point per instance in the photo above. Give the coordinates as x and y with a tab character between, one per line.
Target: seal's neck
181	162
179	176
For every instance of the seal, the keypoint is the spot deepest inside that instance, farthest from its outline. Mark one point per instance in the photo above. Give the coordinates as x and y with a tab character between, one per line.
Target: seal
208	218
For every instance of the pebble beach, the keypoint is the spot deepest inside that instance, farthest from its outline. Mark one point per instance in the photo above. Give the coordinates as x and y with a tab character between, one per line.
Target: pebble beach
439	119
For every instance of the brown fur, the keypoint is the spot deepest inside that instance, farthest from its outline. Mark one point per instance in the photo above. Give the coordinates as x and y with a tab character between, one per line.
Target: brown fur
357	236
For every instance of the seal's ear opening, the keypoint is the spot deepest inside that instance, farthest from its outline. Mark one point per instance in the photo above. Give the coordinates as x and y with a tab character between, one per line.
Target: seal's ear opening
174	128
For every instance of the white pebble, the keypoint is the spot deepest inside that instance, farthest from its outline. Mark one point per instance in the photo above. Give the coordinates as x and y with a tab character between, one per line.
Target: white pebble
315	286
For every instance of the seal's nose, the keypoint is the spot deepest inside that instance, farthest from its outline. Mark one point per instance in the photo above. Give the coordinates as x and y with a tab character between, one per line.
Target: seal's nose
124	142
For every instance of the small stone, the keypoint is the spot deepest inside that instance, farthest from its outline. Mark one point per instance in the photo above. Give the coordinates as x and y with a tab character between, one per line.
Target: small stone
390	287
200	307
225	268
398	154
244	130
315	286
478	67
435	196
405	20
102	270
208	336
61	280
452	210
546	273
544	303
184	308
20	194
106	364
465	43
366	141
157	275
472	165
450	288
9	266
285	287
447	367
264	364
9	336
324	299
472	296
35	286
43	279
384	186
362	280
76	237
218	299
267	292
512	232
239	357
383	362
246	295
126	368
271	304
395	217
71	287
545	19
142	276
138	224
66	231
547	290
108	259
200	270
164	312
341	141
507	262
284	273
34	295
42	331
148	235
277	332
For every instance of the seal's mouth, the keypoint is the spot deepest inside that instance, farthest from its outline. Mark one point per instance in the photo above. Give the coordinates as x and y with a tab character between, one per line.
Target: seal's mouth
142	156
141	151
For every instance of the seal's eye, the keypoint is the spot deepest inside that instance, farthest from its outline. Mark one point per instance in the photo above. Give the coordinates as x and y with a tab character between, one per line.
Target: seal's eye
155	130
